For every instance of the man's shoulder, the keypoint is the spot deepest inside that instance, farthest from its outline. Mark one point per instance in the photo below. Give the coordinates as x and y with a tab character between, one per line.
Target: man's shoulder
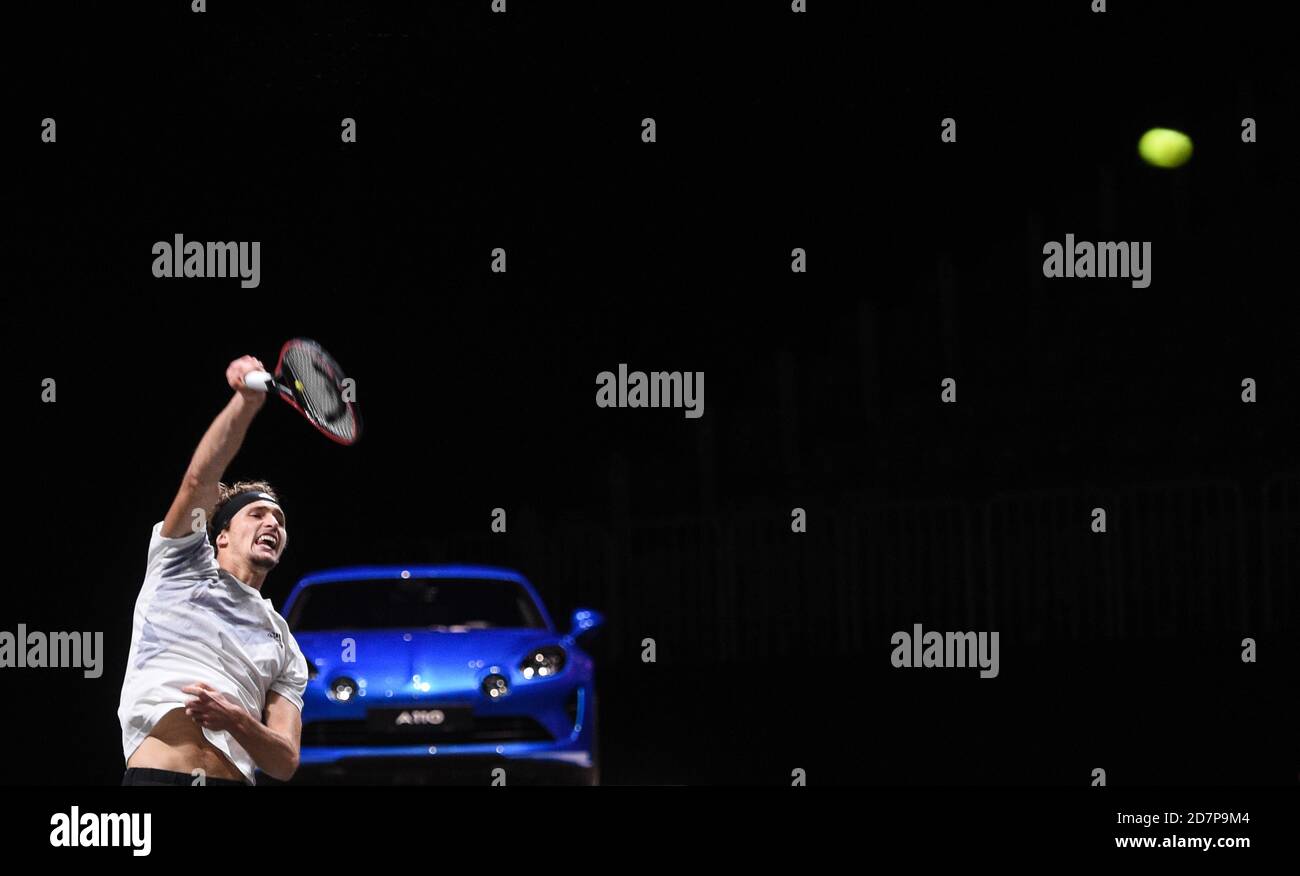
188	556
278	619
193	537
282	626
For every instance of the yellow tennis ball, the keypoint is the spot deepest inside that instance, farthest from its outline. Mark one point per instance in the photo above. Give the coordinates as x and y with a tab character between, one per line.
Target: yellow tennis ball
1165	147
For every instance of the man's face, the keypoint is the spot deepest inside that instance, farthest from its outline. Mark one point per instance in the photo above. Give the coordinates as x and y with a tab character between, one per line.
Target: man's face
257	534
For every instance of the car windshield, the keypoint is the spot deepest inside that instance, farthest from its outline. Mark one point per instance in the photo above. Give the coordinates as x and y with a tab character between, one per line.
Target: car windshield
442	604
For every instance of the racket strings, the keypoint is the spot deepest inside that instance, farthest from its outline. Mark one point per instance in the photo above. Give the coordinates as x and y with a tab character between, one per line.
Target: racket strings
317	381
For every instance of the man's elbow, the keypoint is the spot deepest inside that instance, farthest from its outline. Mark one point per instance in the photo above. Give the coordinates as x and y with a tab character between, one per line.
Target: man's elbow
289	768
195	481
285	769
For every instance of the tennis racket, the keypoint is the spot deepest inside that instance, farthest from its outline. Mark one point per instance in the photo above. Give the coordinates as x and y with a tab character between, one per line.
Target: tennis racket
312	383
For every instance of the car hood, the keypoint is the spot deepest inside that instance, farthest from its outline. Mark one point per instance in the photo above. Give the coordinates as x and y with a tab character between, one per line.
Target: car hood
405	661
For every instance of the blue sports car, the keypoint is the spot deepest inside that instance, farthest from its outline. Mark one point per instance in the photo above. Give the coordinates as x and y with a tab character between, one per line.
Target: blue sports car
418	673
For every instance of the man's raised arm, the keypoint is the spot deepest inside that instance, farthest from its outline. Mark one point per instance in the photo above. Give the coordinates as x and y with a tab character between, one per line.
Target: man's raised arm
199	488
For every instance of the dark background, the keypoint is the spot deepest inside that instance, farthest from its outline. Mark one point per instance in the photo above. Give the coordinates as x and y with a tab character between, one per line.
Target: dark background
821	131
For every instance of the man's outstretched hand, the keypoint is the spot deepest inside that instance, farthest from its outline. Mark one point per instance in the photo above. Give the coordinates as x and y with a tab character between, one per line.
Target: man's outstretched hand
238	370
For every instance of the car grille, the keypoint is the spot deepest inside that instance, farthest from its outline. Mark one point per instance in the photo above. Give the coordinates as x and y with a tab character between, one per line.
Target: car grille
483	729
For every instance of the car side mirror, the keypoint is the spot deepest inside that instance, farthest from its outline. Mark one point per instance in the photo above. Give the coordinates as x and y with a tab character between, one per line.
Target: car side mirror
585	623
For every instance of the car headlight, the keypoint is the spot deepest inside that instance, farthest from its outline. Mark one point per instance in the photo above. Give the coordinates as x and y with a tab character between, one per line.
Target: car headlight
543	663
342	689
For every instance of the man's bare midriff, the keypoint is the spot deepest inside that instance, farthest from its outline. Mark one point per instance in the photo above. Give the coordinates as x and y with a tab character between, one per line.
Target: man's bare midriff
178	744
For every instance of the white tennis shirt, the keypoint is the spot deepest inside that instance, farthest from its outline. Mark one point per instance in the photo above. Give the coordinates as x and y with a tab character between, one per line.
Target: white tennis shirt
194	621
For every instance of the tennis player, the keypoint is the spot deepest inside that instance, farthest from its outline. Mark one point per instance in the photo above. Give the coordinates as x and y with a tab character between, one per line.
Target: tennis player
214	679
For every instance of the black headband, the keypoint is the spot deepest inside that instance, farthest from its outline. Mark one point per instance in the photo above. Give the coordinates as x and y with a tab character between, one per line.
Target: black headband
235	505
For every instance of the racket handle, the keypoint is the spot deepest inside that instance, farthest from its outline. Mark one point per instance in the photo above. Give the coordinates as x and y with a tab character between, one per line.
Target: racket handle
259	380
